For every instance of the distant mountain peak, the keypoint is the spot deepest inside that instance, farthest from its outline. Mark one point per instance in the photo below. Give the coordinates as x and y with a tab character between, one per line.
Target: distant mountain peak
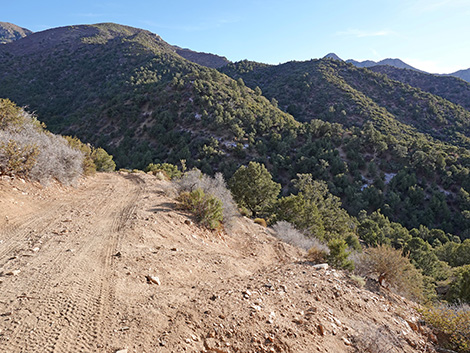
332	56
400	64
462	74
10	32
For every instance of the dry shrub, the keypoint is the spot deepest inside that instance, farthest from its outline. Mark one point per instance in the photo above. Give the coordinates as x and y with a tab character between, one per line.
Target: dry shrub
317	255
27	149
391	269
452	321
377	340
216	186
160	175
317	251
39	155
358	280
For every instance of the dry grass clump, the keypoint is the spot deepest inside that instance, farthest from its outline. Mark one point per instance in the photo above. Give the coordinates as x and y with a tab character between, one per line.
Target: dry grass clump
358	280
261	222
316	250
452	321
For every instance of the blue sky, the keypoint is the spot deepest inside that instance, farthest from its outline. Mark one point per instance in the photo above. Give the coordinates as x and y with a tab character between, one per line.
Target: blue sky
432	35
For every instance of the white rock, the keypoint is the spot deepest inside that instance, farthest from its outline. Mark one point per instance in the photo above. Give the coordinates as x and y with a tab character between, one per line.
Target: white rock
154	279
13	273
320	267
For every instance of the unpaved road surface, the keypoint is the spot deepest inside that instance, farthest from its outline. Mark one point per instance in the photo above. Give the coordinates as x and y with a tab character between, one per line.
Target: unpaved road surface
73	278
63	297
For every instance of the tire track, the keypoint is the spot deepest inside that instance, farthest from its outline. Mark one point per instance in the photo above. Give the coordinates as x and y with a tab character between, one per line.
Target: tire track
71	294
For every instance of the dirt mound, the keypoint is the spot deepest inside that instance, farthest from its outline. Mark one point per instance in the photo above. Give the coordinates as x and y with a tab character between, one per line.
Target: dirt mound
113	265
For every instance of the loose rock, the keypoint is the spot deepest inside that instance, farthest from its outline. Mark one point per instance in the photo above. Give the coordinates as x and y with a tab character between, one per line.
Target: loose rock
153	279
13	273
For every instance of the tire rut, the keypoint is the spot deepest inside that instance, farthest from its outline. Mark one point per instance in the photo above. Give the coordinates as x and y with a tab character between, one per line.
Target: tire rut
66	297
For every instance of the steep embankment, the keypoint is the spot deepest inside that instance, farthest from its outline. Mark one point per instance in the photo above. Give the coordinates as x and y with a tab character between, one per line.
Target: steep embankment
74	262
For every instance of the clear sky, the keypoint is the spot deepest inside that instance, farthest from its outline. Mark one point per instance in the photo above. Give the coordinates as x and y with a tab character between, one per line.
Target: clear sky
431	35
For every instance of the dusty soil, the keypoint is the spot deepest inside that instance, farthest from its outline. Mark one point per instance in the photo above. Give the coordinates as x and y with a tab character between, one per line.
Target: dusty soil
74	267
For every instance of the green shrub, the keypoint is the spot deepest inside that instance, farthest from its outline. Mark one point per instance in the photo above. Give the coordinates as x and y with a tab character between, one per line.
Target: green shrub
244	211
453	322
206	208
167	169
460	285
252	187
338	256
261	222
103	161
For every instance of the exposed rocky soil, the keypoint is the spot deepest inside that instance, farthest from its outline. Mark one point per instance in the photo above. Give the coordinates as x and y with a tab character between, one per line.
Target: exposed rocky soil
112	265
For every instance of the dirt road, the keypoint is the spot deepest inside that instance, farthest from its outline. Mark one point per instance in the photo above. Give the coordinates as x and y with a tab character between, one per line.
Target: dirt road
62	299
74	267
73	264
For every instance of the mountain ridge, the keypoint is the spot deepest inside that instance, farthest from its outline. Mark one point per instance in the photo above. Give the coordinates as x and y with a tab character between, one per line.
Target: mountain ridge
464	74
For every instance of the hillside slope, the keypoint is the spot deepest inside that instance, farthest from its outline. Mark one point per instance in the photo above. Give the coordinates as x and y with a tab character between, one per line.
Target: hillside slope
338	92
73	267
126	89
451	88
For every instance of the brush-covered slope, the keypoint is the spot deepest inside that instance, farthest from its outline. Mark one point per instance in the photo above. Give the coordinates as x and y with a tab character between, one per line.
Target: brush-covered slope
405	151
338	92
451	88
10	32
127	89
